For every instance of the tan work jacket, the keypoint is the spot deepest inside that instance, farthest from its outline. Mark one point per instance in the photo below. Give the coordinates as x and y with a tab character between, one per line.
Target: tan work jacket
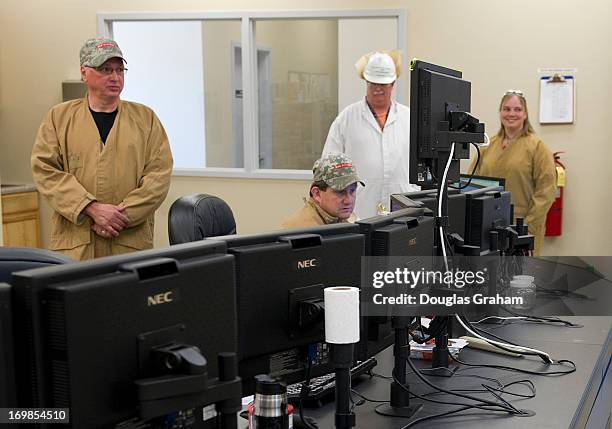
529	169
72	167
312	215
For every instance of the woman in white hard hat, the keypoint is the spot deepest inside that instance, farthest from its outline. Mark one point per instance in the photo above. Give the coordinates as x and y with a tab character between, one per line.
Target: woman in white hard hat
374	132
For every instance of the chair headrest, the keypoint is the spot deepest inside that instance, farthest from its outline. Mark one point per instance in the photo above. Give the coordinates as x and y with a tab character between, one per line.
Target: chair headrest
197	216
13	259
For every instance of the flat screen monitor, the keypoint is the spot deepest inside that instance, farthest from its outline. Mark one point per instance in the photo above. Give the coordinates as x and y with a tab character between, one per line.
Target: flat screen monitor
8	397
268	237
137	342
429	199
280	279
369	226
28	309
486	209
479	182
435	92
407	233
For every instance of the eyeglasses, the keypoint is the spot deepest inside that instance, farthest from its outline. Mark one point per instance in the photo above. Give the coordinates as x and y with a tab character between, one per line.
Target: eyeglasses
515	92
107	71
380	85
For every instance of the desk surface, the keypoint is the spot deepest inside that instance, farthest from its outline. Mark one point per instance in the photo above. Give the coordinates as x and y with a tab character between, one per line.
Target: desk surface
560	400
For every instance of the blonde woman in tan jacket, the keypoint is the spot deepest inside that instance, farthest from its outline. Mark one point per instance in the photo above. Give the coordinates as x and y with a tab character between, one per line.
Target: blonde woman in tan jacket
517	154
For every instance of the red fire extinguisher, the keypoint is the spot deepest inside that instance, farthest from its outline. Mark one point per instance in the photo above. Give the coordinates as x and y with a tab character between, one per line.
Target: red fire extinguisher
555	213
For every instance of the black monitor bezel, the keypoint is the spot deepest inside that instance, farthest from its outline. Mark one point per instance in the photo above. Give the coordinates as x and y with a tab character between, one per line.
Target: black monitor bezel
421	153
123	308
28	301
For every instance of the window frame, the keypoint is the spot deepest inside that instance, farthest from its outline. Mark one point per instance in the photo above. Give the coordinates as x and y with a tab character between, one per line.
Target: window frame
250	105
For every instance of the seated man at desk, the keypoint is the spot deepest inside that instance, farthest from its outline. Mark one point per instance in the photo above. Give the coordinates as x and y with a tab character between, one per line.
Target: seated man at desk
332	193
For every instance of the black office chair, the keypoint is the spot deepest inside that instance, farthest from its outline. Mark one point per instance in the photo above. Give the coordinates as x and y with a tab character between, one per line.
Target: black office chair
13	259
197	216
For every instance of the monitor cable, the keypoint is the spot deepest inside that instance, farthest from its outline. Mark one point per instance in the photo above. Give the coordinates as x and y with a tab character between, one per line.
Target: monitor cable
502	345
481	403
304	394
473	170
553	320
441	196
440	353
467	407
561	362
437	325
503	341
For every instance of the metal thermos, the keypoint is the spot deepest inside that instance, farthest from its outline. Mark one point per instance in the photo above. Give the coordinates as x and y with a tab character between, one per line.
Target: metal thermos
270	406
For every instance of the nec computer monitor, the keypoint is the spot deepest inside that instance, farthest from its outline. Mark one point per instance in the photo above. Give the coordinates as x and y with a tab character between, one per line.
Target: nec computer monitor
429	199
280	278
28	309
106	332
407	233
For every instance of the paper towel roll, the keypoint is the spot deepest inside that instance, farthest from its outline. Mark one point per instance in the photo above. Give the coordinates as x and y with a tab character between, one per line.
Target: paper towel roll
341	315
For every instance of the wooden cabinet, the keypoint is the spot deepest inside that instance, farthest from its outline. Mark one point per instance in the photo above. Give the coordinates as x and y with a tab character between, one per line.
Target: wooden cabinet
20	219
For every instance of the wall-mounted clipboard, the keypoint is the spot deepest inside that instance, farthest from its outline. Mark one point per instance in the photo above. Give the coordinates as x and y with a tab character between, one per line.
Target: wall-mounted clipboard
557	98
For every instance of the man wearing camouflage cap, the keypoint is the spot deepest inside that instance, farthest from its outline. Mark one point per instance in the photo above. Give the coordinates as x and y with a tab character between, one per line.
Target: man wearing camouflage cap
103	164
332	193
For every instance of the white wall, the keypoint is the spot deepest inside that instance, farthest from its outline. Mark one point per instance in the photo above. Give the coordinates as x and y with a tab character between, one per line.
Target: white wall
355	38
497	46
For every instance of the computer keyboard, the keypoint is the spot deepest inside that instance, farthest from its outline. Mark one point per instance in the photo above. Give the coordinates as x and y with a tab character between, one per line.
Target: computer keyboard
326	384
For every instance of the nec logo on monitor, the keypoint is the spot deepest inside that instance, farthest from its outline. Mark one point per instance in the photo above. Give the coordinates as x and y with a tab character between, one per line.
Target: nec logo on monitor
161	298
304	264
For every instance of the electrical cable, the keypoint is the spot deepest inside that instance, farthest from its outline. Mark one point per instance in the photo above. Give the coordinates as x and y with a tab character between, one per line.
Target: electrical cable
486	405
473	170
488	141
524	371
304	393
473	398
441	198
505	344
553	320
491	389
482	377
439	326
353	403
513	348
503	319
384	377
434	416
501	387
482	404
529	382
503	340
450	248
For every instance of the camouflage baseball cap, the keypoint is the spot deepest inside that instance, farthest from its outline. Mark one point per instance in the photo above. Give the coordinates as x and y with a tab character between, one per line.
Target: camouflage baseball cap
96	52
337	170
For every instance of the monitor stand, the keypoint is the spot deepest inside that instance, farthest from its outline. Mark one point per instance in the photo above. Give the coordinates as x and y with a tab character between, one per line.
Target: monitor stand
399	404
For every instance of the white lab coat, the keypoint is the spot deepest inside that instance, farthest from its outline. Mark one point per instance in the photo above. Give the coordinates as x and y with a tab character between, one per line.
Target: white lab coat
380	156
